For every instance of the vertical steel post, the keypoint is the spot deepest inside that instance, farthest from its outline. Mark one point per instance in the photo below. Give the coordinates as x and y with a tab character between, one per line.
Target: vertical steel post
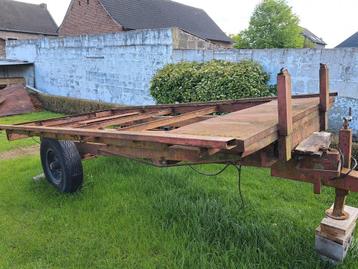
324	96
345	147
285	123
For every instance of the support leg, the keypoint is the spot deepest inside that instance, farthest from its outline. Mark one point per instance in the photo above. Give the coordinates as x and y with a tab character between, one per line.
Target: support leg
338	212
335	234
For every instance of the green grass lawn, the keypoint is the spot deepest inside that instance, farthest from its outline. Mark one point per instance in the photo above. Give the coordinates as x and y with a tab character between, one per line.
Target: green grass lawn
130	215
5	145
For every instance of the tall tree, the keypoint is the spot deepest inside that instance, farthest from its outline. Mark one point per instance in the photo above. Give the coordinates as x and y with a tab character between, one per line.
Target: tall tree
272	25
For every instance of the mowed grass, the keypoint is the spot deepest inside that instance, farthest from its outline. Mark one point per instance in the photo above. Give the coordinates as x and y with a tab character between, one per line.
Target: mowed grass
5	145
129	215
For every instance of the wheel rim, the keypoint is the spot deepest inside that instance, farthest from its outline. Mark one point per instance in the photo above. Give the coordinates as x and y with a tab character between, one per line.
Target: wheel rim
54	167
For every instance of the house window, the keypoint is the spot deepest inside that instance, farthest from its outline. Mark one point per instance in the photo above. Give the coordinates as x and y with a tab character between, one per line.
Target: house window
79	3
12	38
87	2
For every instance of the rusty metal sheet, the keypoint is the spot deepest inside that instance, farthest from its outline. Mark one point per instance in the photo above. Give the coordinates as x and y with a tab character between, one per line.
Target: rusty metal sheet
252	125
15	100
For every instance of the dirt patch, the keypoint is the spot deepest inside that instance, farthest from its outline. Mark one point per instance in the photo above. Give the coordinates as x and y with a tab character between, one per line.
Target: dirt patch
13	154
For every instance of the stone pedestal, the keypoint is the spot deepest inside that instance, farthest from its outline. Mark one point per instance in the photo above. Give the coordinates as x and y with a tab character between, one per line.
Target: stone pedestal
334	237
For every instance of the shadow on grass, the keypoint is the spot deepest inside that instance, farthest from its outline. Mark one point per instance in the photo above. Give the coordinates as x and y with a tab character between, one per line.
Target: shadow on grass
200	220
212	228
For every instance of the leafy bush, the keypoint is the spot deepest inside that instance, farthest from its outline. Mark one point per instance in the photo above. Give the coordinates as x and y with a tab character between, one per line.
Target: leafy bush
66	105
216	80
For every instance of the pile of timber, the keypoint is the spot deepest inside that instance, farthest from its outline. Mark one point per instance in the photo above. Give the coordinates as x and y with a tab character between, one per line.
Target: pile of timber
15	100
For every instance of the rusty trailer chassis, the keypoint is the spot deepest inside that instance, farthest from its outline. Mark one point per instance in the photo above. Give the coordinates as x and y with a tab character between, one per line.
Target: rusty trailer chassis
260	132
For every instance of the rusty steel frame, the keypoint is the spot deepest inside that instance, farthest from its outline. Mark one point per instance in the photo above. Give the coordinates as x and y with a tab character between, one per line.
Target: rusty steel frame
145	133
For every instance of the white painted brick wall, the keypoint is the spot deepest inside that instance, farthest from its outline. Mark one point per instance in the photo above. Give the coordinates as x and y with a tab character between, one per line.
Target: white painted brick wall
115	68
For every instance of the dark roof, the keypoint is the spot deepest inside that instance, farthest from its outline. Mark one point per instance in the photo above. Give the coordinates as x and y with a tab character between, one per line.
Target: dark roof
6	62
351	42
27	18
147	14
311	36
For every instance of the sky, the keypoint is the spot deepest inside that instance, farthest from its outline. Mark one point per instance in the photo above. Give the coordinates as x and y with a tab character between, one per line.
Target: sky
332	20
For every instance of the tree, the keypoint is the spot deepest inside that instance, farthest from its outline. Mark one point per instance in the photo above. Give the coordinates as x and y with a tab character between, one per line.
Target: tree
272	25
239	43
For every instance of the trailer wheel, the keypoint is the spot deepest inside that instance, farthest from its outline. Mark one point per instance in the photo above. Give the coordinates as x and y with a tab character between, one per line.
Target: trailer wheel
62	165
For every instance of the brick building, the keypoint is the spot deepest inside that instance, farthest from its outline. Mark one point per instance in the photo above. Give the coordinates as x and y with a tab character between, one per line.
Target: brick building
24	21
108	16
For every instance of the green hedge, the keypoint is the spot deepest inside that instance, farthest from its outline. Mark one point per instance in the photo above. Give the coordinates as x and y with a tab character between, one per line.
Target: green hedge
216	80
66	105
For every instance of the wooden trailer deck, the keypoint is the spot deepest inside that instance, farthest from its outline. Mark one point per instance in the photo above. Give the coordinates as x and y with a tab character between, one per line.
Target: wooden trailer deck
246	130
257	131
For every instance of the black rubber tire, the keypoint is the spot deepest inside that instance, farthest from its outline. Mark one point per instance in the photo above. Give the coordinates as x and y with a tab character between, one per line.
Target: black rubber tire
62	165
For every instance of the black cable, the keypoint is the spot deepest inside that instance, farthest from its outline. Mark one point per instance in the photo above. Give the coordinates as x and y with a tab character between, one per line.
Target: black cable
356	163
352	169
239	172
341	156
210	175
354	166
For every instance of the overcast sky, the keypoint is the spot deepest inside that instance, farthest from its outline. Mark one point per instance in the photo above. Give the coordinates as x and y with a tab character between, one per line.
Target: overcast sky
332	20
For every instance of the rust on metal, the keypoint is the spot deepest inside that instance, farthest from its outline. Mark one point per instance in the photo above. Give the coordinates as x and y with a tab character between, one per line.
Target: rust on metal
338	212
324	96
285	117
345	149
261	132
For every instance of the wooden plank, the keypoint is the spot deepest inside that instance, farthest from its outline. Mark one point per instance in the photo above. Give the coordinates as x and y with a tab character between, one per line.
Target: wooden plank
314	144
13	81
159	137
340	239
334	227
324	96
168	121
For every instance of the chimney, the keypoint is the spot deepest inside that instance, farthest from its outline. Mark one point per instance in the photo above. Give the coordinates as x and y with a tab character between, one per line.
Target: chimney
43	5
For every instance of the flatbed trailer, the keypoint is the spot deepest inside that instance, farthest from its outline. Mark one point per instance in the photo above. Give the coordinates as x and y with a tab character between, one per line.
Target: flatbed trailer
283	133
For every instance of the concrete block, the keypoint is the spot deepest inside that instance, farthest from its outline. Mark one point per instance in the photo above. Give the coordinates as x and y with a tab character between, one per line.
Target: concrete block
334	237
333	251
